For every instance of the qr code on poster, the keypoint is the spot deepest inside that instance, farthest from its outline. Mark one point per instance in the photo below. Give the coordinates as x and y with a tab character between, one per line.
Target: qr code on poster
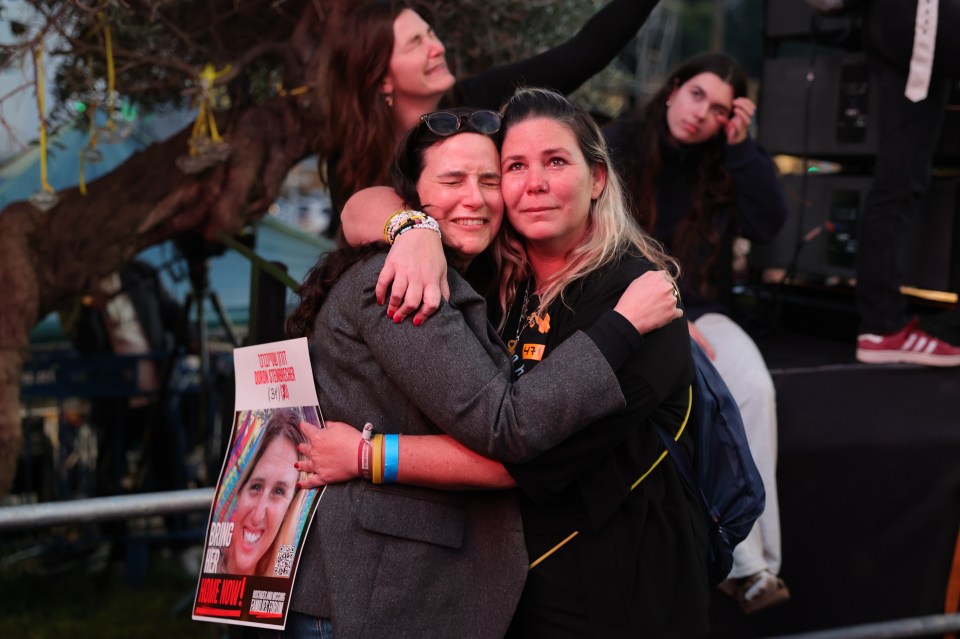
284	561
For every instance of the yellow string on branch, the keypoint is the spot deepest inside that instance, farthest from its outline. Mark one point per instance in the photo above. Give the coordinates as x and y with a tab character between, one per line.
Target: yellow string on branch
41	102
111	72
91	145
205	126
110	126
283	92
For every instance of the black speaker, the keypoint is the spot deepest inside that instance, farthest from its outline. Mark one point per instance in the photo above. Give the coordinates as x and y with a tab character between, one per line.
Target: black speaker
819	108
826	230
794	19
824	108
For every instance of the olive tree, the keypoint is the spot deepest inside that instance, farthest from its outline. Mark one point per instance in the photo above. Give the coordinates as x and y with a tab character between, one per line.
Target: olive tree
257	66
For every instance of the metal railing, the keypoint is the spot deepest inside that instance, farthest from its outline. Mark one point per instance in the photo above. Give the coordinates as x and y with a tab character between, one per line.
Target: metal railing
96	509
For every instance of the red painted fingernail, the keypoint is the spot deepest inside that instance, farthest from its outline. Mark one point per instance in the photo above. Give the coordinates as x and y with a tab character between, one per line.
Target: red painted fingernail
390	313
417	321
397	319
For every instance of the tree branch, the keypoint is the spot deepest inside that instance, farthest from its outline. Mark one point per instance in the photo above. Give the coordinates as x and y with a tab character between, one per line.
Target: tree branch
13	136
177	32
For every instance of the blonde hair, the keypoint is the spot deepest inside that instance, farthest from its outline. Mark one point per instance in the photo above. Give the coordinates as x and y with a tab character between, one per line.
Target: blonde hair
611	231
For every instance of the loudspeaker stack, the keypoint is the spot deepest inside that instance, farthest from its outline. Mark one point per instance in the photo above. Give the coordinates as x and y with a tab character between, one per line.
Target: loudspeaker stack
817	105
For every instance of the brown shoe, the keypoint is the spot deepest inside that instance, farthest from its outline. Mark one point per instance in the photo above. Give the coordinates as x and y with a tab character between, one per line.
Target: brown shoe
760	591
730	587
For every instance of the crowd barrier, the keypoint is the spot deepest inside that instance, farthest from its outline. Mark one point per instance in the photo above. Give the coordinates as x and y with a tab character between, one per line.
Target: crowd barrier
97	509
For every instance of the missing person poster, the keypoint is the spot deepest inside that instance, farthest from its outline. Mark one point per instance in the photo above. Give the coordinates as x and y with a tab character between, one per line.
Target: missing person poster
259	517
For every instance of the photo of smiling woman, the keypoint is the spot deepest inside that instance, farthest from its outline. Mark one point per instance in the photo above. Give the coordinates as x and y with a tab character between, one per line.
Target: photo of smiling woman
260	511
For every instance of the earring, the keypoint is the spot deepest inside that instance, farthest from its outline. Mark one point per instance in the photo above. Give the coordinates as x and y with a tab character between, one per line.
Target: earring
669	103
388	98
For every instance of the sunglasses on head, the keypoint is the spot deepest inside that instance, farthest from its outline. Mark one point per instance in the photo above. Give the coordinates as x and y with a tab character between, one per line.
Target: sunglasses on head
446	123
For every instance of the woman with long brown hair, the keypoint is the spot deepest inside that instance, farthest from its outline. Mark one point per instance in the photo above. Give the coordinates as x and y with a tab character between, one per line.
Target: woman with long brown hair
698	181
388	67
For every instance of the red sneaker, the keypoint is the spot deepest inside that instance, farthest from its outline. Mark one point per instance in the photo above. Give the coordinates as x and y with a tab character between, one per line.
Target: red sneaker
911	345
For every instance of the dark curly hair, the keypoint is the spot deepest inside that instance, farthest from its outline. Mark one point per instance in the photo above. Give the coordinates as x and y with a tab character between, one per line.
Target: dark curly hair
319	281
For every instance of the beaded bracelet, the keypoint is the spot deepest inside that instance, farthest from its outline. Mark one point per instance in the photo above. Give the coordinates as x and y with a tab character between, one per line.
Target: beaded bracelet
406	219
428	223
397	220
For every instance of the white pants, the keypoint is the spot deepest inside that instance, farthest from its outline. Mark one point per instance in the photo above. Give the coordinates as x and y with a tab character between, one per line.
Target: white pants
743	370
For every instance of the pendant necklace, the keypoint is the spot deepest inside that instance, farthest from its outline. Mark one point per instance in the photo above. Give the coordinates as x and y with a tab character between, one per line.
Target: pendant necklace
525	320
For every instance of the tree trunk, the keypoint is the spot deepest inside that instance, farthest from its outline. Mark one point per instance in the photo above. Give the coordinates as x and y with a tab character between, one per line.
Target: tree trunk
49	259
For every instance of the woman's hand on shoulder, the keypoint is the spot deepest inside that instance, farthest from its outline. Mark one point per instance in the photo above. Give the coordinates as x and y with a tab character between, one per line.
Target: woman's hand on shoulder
330	454
738	126
650	301
415	275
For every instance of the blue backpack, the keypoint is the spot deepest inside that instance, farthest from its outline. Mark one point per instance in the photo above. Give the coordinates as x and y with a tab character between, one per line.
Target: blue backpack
726	478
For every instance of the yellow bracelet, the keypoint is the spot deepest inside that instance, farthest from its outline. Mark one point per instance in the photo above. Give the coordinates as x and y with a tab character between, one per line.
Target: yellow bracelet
377	474
390	221
402	220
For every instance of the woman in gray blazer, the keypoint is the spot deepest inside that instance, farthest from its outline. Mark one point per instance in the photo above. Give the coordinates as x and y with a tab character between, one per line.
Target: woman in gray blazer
400	561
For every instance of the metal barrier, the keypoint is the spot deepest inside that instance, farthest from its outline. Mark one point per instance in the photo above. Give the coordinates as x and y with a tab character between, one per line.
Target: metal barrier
105	508
931	625
166	503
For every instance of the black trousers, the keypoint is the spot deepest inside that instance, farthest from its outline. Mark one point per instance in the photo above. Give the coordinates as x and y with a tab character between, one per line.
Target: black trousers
908	133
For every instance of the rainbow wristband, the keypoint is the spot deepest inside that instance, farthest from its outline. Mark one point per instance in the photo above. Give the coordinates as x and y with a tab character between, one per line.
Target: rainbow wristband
377	474
391	458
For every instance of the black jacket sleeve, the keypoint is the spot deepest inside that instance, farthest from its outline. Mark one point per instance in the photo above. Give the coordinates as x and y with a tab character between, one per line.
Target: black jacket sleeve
653	381
760	200
616	338
564	67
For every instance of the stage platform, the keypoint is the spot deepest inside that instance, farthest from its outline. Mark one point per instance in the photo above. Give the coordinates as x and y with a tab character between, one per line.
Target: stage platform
869	479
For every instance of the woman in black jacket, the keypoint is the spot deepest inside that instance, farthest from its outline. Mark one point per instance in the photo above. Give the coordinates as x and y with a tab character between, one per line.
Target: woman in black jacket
698	182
